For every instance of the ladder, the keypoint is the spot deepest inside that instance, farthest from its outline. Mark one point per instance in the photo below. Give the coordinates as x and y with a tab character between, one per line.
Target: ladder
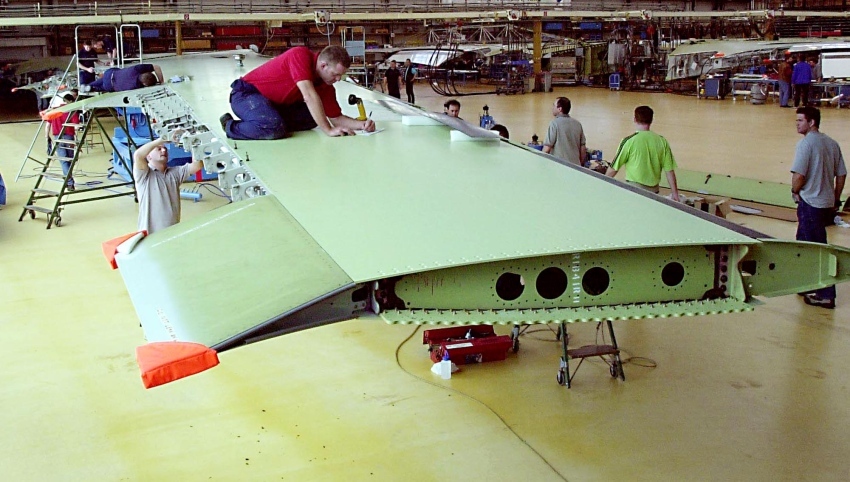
61	198
94	138
28	156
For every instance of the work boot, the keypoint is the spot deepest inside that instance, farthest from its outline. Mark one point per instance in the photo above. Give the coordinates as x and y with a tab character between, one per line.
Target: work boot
815	300
224	120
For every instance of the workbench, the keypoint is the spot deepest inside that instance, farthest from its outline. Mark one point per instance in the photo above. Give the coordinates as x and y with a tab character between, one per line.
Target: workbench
742	85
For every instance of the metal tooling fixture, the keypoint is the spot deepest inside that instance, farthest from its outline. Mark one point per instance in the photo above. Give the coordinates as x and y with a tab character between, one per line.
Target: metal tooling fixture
167	112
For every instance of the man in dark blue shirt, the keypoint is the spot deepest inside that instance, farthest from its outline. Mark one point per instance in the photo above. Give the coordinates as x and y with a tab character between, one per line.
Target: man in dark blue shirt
109	48
801	79
128	78
86	59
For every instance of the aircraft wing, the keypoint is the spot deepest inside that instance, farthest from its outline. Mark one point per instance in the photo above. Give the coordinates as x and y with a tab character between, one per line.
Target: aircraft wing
422	225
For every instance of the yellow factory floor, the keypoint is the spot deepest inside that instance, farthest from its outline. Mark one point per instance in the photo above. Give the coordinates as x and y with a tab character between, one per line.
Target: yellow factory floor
751	396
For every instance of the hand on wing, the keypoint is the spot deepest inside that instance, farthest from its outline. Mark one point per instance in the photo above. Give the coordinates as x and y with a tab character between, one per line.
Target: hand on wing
369	125
340	131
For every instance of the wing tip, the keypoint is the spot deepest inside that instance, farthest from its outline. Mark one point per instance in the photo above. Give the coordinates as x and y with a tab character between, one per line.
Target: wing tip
110	247
167	361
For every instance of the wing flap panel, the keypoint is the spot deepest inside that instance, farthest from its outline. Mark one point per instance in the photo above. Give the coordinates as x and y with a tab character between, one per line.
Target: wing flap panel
222	274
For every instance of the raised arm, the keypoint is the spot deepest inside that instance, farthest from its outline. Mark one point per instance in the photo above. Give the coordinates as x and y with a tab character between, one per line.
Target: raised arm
175	136
140	161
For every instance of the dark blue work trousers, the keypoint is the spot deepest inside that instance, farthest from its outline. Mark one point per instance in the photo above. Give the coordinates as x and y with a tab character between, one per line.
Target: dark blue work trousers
104	84
811	226
260	118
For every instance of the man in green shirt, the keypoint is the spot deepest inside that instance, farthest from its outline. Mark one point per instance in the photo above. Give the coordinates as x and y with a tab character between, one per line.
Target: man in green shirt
645	155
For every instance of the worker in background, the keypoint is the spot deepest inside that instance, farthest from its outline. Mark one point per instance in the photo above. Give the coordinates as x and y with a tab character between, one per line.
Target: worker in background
452	108
158	185
645	155
817	180
409	78
291	92
109	47
817	70
128	78
801	78
785	70
64	137
391	80
565	137
86	60
502	130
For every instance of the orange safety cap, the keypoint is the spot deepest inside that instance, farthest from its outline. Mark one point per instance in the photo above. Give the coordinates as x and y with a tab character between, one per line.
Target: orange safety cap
49	115
110	248
166	361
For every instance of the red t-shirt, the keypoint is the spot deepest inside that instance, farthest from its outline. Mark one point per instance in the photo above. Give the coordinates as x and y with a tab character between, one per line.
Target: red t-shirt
276	80
56	123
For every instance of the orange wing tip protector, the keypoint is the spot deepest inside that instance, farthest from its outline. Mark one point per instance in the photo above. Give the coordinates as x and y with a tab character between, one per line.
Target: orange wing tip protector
51	114
110	248
166	361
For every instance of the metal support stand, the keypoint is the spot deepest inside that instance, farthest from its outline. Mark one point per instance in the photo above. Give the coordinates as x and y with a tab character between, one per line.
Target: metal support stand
609	353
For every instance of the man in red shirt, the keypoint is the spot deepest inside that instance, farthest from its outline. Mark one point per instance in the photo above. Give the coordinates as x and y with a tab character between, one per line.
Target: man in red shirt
292	92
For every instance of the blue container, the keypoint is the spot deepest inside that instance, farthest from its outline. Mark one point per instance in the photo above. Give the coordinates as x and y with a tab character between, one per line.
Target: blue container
137	123
590	25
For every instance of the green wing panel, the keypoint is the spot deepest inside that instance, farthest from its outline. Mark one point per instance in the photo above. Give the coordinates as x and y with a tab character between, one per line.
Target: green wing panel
410	199
414	200
215	277
764	192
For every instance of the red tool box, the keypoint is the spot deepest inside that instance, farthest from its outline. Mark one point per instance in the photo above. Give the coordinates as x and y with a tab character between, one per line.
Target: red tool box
467	344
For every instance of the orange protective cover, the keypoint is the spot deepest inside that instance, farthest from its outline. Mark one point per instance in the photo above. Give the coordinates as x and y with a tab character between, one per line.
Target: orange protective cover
166	361
111	247
51	114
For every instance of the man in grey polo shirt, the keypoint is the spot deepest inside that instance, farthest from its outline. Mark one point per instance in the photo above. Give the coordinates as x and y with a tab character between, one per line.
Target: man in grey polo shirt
817	179
565	137
158	186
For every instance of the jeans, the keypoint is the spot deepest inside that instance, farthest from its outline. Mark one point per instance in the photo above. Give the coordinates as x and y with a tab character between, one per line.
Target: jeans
784	93
261	119
811	226
408	88
66	150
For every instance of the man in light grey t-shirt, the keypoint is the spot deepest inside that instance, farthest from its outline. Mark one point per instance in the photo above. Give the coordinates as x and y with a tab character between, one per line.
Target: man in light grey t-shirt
817	179
158	186
565	137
